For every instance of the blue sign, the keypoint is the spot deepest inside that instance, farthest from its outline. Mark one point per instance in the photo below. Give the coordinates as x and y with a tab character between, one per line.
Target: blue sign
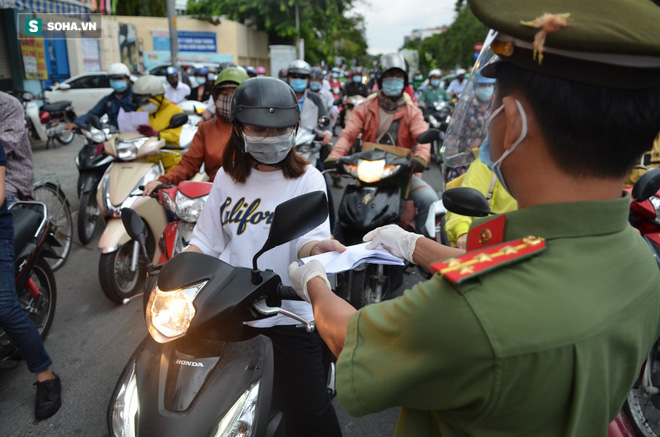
189	41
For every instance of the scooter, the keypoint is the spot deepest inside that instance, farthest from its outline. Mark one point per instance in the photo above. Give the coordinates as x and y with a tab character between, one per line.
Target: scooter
92	162
382	174
640	416
308	140
439	118
121	269
35	282
199	373
33	120
55	116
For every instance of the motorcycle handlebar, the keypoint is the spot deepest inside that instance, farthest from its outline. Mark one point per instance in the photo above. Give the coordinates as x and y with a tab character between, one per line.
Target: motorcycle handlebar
286	292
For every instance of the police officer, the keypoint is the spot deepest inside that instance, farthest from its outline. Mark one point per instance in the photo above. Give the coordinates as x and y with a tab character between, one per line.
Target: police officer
535	331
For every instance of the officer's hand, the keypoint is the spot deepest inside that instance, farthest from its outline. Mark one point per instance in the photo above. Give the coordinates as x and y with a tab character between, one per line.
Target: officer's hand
148	131
330	163
301	275
461	243
418	164
327	137
70	126
150	187
394	239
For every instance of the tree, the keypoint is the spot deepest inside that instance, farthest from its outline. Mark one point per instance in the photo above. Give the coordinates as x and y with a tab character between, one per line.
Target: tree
325	25
150	8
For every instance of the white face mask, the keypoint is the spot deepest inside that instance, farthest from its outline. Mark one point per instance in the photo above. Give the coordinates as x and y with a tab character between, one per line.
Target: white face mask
269	150
150	107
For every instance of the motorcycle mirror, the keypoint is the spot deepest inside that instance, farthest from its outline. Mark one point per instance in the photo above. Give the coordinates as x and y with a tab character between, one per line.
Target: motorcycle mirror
95	121
291	219
428	136
177	120
324	121
647	185
134	225
466	201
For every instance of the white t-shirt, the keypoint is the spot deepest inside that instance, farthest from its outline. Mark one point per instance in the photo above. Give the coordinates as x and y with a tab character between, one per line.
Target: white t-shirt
178	94
455	87
235	222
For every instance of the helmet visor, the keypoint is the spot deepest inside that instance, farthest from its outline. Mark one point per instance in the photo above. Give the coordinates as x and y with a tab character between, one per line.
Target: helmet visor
467	128
140	98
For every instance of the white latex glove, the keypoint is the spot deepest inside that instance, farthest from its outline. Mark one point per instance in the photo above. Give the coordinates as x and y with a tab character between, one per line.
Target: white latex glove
394	239
301	275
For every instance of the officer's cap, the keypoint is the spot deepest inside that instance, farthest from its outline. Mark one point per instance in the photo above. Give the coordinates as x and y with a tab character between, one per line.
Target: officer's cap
608	43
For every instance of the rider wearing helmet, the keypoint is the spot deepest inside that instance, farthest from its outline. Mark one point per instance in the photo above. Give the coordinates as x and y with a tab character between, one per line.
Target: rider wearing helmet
211	137
352	87
310	104
202	91
457	85
316	78
261	170
175	90
433	92
149	94
120	81
390	119
261	71
251	71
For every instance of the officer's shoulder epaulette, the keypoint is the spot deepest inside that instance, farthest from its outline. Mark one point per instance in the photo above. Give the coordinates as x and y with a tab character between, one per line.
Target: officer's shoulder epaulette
478	262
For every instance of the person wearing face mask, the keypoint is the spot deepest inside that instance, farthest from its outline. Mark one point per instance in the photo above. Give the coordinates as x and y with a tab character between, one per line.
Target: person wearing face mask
433	92
389	118
261	169
316	86
352	87
211	137
202	91
175	90
457	85
121	98
149	94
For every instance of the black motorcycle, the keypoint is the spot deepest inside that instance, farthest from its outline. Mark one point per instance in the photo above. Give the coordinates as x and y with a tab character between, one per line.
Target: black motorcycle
35	282
199	373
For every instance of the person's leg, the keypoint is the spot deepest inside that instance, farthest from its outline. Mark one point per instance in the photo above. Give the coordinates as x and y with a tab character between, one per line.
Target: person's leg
423	195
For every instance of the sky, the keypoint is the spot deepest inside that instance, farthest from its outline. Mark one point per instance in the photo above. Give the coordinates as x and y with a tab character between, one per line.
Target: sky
388	21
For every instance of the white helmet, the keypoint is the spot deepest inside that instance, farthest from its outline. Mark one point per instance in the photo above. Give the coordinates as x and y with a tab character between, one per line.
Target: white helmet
460	71
149	85
435	73
119	70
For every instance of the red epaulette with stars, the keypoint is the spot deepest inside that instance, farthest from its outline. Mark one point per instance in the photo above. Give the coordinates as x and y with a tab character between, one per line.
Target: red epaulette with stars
487	252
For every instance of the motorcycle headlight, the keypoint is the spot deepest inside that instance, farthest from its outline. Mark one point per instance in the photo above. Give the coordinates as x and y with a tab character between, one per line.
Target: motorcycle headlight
128	150
239	420
188	209
98	136
169	313
372	171
655	201
125	406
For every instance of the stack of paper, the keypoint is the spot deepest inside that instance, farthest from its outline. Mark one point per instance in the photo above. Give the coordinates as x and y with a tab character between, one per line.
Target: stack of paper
335	262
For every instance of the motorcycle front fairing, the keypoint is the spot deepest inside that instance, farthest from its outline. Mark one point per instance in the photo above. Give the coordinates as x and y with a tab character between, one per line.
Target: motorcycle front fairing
364	208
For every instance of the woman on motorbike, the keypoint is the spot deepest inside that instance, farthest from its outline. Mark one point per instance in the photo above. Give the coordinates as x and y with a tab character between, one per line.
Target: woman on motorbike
260	170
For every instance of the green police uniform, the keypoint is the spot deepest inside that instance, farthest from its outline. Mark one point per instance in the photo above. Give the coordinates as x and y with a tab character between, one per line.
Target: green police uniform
526	336
431	95
559	322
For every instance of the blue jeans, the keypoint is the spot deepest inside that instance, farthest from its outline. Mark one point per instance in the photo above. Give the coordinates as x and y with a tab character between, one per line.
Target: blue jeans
423	197
14	320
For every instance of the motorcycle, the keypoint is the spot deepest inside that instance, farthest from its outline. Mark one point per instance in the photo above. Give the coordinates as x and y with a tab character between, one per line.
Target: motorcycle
375	200
308	140
33	121
92	162
193	109
640	416
55	116
121	269
199	373
438	117
351	103
35	282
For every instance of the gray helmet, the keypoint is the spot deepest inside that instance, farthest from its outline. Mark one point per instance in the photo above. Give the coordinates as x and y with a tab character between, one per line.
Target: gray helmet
265	102
391	61
316	73
147	86
298	67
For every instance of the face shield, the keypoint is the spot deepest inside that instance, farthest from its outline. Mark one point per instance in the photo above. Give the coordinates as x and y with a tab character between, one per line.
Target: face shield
467	127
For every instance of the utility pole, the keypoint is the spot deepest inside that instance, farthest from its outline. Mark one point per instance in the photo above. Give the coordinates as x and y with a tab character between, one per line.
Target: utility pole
174	38
300	55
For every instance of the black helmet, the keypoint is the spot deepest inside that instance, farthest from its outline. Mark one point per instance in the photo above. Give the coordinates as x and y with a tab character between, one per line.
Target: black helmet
265	102
316	73
391	61
298	67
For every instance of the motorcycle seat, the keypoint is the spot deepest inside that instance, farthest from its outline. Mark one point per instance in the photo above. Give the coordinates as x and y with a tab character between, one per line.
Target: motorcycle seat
26	222
56	106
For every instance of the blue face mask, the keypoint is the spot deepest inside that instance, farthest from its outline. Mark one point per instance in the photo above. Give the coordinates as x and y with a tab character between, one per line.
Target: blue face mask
484	93
435	83
335	75
357	79
315	86
392	86
484	150
119	85
298	85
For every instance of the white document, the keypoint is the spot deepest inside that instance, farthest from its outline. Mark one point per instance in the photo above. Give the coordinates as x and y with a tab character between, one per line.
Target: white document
335	262
129	121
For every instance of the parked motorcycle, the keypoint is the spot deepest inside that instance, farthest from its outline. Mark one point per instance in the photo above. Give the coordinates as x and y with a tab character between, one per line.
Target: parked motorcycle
33	121
55	116
199	373
121	269
375	200
35	282
640	415
92	162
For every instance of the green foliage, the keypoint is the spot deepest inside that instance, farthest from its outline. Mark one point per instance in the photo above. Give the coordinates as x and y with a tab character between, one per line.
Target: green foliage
325	25
148	8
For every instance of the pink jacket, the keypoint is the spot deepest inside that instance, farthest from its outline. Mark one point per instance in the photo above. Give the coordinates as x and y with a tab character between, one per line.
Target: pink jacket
365	119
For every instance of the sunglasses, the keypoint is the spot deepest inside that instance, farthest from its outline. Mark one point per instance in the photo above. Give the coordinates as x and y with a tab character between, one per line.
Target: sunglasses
298	76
